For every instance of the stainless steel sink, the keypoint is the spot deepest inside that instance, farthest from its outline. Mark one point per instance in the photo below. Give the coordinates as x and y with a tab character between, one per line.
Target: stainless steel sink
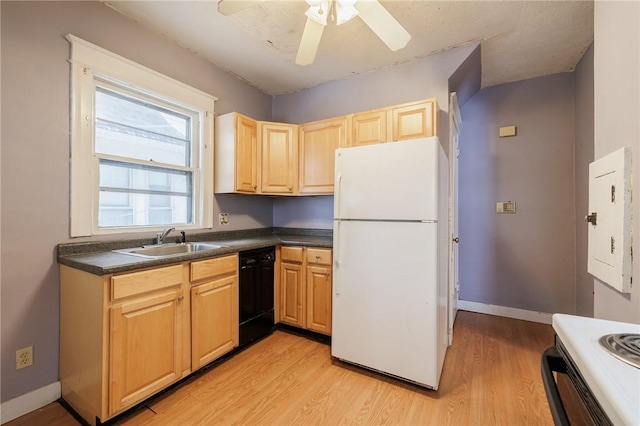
168	250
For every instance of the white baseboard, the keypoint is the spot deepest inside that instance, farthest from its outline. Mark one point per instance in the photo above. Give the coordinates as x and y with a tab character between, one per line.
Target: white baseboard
504	311
29	402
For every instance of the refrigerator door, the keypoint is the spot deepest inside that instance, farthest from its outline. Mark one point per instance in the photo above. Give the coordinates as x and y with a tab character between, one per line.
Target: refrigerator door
391	181
385	298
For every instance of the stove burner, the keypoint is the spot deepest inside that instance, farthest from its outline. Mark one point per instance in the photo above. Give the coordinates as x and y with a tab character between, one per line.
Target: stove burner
625	347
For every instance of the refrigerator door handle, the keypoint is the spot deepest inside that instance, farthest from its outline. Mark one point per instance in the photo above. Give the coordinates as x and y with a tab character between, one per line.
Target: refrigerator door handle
336	257
338	210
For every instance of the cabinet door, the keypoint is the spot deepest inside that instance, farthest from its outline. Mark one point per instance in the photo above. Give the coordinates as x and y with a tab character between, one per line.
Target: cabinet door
318	143
144	350
246	174
414	120
279	158
214	320
369	127
292	294
319	298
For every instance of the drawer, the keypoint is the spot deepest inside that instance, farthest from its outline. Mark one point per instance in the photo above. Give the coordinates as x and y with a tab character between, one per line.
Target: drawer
145	281
319	256
291	254
210	268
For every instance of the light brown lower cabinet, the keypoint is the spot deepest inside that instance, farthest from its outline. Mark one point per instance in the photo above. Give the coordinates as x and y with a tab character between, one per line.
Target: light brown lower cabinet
319	298
214	309
144	350
305	288
293	300
125	337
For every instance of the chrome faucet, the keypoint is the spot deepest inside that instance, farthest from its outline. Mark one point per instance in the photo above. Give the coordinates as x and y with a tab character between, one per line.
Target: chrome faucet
160	236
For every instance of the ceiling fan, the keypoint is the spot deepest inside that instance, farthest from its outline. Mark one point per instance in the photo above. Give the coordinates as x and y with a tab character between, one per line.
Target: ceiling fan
381	22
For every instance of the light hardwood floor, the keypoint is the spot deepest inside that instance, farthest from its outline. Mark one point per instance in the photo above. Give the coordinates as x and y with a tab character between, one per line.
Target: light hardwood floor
491	376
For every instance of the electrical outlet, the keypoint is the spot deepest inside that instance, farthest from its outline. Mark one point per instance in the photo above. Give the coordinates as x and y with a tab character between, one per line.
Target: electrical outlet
224	218
24	357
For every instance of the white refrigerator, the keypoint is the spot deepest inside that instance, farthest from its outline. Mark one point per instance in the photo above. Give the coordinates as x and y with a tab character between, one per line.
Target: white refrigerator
390	240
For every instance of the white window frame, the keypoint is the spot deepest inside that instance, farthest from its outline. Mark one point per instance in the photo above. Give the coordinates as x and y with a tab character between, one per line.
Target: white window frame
89	62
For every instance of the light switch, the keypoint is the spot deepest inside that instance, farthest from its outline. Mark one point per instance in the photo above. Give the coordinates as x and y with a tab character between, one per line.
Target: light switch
609	220
507	131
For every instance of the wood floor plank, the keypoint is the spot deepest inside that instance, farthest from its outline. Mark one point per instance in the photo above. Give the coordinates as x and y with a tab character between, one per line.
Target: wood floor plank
491	376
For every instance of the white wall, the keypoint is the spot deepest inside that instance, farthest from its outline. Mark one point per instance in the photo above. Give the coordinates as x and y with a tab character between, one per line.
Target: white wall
617	124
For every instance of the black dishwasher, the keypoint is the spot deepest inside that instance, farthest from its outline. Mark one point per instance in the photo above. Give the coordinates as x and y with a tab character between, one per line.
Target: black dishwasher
256	294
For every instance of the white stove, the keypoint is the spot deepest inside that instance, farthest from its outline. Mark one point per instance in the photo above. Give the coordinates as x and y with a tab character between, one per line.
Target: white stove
615	384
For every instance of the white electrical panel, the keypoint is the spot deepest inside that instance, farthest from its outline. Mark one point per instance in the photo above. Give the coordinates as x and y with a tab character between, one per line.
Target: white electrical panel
610	256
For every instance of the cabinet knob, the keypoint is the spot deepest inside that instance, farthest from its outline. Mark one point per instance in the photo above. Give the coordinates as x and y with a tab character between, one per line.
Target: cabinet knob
456	240
180	298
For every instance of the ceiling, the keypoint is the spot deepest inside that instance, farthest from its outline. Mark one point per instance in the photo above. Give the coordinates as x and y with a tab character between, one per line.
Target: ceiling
519	39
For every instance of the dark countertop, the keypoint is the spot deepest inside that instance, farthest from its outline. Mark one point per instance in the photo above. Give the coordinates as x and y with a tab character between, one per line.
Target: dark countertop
98	258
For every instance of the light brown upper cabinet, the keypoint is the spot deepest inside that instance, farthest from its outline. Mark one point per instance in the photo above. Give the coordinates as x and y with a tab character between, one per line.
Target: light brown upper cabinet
263	157
236	154
400	122
369	127
279	152
414	120
318	142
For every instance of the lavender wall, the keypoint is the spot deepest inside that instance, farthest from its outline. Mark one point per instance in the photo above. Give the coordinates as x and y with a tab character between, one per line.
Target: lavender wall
304	212
583	156
35	152
411	81
420	79
524	260
466	80
617	124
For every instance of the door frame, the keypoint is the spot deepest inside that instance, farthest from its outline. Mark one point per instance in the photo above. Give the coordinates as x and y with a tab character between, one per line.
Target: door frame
454	152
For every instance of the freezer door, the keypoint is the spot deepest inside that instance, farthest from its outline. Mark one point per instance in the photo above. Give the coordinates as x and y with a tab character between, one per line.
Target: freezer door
391	181
385	298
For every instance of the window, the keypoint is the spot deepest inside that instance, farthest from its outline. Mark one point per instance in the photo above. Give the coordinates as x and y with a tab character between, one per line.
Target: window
140	156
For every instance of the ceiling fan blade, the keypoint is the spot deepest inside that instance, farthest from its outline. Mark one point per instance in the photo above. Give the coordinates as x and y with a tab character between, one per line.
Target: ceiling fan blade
229	7
309	42
383	24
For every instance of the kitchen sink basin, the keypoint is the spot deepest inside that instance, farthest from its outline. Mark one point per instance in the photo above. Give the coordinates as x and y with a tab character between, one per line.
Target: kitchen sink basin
168	250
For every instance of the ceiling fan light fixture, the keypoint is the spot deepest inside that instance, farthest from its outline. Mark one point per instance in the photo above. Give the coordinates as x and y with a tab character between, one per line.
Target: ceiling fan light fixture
318	11
345	11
